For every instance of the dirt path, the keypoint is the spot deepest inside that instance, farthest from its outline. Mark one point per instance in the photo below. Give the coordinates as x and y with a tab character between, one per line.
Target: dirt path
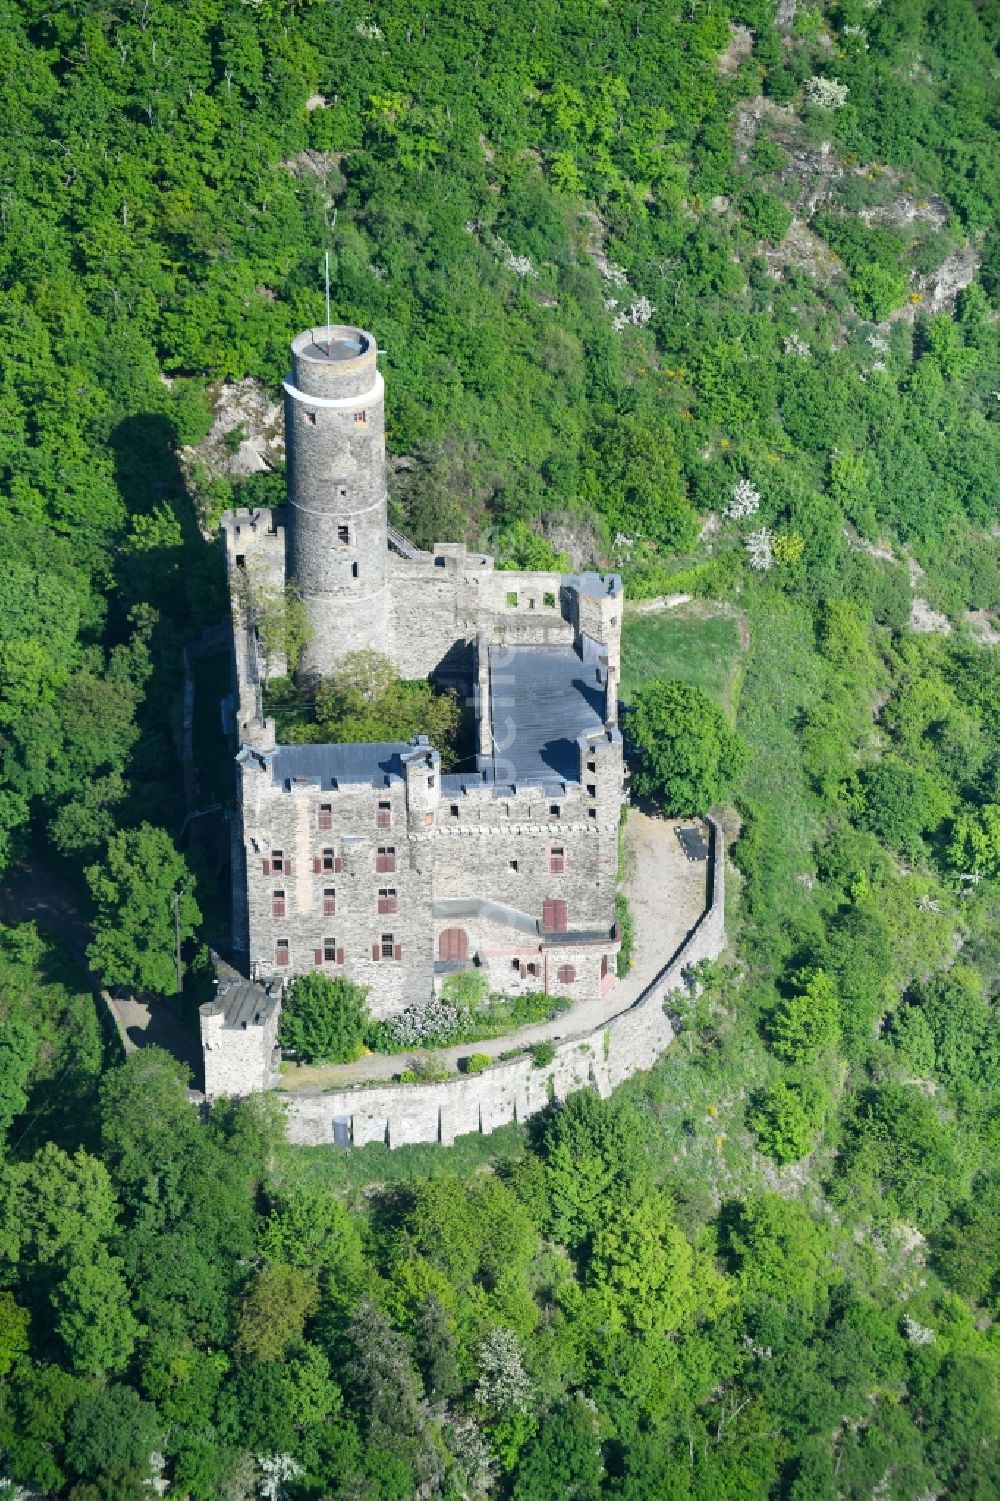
666	892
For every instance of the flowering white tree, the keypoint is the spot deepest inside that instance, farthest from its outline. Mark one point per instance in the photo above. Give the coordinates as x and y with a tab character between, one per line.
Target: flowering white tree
796	346
758	546
917	1334
826	92
638	314
520	264
745	501
504	1384
275	1471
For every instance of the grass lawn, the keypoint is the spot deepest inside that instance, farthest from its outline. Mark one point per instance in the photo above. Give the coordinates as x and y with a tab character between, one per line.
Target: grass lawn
693	644
356	1168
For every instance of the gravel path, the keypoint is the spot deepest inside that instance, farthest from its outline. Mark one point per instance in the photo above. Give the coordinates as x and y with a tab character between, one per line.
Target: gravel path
666	891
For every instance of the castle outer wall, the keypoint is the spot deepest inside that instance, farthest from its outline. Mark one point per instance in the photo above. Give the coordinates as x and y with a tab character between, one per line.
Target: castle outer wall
405	1114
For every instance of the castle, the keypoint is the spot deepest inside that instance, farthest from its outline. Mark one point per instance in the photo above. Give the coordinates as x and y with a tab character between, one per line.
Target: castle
370	861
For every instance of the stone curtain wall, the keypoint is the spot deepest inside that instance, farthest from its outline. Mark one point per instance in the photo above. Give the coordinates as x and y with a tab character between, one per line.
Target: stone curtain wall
401	1114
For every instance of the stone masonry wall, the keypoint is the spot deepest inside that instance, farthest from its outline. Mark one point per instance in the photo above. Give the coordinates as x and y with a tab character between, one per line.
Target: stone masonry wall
237	1060
289	821
448	848
604	1058
337	549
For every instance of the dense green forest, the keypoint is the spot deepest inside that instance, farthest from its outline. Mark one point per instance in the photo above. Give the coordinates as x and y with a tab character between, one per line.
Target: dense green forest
689	289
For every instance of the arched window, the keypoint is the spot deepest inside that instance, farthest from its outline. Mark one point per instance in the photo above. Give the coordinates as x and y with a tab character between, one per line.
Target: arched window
566	974
453	944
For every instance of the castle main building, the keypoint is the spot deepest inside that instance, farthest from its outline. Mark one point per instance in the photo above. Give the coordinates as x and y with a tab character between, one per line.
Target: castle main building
368	860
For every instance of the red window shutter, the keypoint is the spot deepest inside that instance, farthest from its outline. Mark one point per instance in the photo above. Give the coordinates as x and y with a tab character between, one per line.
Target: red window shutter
288	867
317	866
317	956
376	951
554	916
340	956
397	952
267	867
338	866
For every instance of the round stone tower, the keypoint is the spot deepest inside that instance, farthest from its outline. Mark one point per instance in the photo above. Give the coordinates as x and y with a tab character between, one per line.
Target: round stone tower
336	528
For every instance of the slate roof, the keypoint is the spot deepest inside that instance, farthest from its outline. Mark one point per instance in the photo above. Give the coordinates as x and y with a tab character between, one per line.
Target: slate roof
328	766
242	1002
542	699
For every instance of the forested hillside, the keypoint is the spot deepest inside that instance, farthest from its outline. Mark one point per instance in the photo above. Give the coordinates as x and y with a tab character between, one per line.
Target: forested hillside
705	292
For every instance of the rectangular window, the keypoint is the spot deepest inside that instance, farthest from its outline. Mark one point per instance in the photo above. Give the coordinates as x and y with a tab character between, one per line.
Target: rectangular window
387	946
430	781
383	817
592	767
557	860
343	534
278	904
328	861
591	789
311	418
326	815
453	810
385	859
354	570
329	901
282	955
532	969
512	864
361	416
512	599
277	862
549	601
553	810
387	899
330	951
592	812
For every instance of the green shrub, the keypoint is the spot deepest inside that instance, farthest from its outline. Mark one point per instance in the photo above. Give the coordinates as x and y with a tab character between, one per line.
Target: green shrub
765	216
324	1020
783	1122
542	1053
467	991
690	754
476	1063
